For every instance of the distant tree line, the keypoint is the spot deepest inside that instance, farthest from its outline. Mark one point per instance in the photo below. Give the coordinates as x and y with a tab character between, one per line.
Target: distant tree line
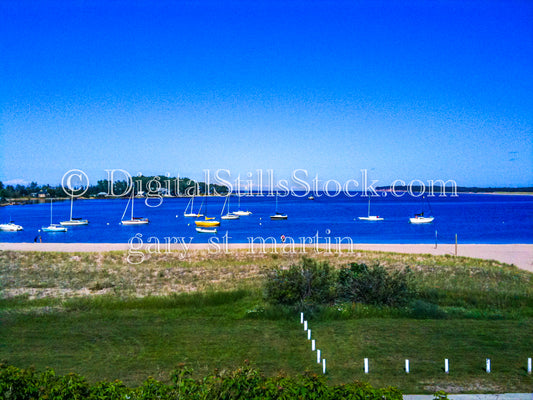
142	185
460	189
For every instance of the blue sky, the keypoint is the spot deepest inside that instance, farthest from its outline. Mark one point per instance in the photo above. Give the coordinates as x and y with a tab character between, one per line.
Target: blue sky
407	90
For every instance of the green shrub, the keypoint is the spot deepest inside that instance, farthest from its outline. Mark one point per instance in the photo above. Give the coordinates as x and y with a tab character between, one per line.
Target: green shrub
309	282
243	383
361	284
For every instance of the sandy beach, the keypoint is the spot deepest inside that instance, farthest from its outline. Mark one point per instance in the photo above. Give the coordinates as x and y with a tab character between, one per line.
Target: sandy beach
520	255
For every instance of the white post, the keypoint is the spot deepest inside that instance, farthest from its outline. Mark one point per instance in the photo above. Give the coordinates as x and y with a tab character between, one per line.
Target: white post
366	365
305	325
446	366
318	356
301	318
309	334
488	366
324	366
313	345
407	366
529	365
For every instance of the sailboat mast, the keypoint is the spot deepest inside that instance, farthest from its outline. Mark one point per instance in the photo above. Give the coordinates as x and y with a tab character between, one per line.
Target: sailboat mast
132	201
369	206
71	201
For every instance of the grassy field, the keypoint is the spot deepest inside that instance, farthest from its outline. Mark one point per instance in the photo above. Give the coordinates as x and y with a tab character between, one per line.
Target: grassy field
97	315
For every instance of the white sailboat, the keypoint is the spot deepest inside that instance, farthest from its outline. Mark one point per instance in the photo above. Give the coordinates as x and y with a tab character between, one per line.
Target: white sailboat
239	211
278	215
53	227
370	217
189	212
133	220
10	227
420	218
74	221
228	215
206	230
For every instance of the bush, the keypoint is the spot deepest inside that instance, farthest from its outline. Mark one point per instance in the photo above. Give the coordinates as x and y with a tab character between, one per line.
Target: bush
243	383
309	282
361	284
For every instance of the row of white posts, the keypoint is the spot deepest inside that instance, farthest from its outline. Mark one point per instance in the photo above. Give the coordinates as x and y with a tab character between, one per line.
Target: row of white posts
447	366
366	363
313	344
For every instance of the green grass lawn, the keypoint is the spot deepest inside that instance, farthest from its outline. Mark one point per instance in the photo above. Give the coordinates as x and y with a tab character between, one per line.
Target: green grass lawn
130	341
84	313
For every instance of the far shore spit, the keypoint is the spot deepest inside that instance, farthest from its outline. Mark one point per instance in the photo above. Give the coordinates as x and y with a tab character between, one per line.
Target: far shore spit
521	255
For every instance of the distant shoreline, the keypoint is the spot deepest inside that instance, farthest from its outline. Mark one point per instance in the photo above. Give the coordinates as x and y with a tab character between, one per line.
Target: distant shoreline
521	255
25	200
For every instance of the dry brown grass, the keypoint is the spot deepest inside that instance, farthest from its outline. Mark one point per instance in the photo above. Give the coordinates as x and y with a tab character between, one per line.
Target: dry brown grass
62	275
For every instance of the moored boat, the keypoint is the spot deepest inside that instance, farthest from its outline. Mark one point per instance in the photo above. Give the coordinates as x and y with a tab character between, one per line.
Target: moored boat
206	230
10	227
133	220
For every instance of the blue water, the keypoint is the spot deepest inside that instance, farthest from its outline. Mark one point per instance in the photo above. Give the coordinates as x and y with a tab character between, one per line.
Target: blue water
474	218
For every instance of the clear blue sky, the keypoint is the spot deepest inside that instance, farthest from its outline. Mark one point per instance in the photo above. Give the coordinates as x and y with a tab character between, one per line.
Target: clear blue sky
405	89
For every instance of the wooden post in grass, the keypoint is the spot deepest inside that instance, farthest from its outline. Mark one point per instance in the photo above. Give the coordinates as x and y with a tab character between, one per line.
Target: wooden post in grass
318	356
529	365
313	345
406	366
324	366
366	365
305	325
309	334
446	366
456	245
301	318
487	367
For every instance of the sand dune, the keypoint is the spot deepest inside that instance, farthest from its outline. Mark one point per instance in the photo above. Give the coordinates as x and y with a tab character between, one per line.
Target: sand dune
520	255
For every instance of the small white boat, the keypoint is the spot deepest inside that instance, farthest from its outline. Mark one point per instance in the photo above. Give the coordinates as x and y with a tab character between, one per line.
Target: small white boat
311	198
242	212
74	221
370	217
206	230
239	211
278	215
133	220
190	213
10	227
420	219
228	215
53	227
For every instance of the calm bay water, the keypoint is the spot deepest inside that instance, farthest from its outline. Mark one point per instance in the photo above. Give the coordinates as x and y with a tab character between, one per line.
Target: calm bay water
474	218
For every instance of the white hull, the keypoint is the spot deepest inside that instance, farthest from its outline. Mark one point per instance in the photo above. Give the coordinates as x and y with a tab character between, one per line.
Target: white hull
75	222
140	221
230	216
193	215
421	220
242	212
278	216
54	228
371	218
11	227
206	230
